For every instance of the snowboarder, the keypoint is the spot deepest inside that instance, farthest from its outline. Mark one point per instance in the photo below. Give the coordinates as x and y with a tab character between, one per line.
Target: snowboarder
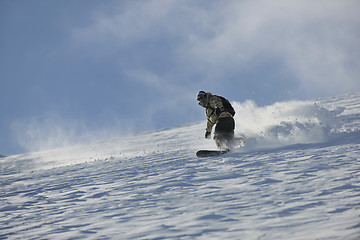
220	112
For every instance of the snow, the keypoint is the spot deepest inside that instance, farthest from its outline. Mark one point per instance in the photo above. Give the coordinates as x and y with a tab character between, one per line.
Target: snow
297	177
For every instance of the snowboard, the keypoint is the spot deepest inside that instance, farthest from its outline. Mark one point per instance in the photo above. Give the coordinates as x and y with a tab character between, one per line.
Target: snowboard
210	153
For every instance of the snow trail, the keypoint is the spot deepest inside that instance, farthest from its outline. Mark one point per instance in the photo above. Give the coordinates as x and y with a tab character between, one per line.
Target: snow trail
285	123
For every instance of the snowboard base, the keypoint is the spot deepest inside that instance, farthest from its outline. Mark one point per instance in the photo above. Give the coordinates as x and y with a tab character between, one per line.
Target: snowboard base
210	153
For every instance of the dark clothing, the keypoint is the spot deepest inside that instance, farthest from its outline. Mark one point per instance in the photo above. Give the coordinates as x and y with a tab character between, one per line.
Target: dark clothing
225	125
224	132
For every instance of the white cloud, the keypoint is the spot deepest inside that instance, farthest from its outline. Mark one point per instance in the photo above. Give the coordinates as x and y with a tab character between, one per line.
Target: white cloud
314	41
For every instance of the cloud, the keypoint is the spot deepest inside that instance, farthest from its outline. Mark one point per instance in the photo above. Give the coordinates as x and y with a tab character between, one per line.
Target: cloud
311	44
315	41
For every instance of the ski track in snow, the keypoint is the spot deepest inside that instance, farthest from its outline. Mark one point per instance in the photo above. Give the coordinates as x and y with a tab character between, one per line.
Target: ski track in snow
151	185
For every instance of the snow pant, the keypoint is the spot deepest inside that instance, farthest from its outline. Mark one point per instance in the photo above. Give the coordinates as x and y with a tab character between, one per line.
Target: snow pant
224	132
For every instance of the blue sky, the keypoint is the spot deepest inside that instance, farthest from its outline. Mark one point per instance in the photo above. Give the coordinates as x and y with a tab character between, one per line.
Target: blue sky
79	71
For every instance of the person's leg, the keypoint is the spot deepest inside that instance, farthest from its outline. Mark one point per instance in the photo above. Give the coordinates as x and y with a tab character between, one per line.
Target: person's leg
224	132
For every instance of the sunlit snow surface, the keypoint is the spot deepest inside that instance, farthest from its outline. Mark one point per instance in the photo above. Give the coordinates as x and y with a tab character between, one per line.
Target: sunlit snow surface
298	177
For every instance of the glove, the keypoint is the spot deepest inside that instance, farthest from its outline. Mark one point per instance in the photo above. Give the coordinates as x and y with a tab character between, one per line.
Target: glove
218	111
208	135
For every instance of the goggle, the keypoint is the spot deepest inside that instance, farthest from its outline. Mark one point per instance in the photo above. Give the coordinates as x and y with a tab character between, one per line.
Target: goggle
201	96
202	99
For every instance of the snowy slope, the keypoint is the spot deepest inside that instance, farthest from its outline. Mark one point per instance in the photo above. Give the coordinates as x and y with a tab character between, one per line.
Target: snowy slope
298	177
